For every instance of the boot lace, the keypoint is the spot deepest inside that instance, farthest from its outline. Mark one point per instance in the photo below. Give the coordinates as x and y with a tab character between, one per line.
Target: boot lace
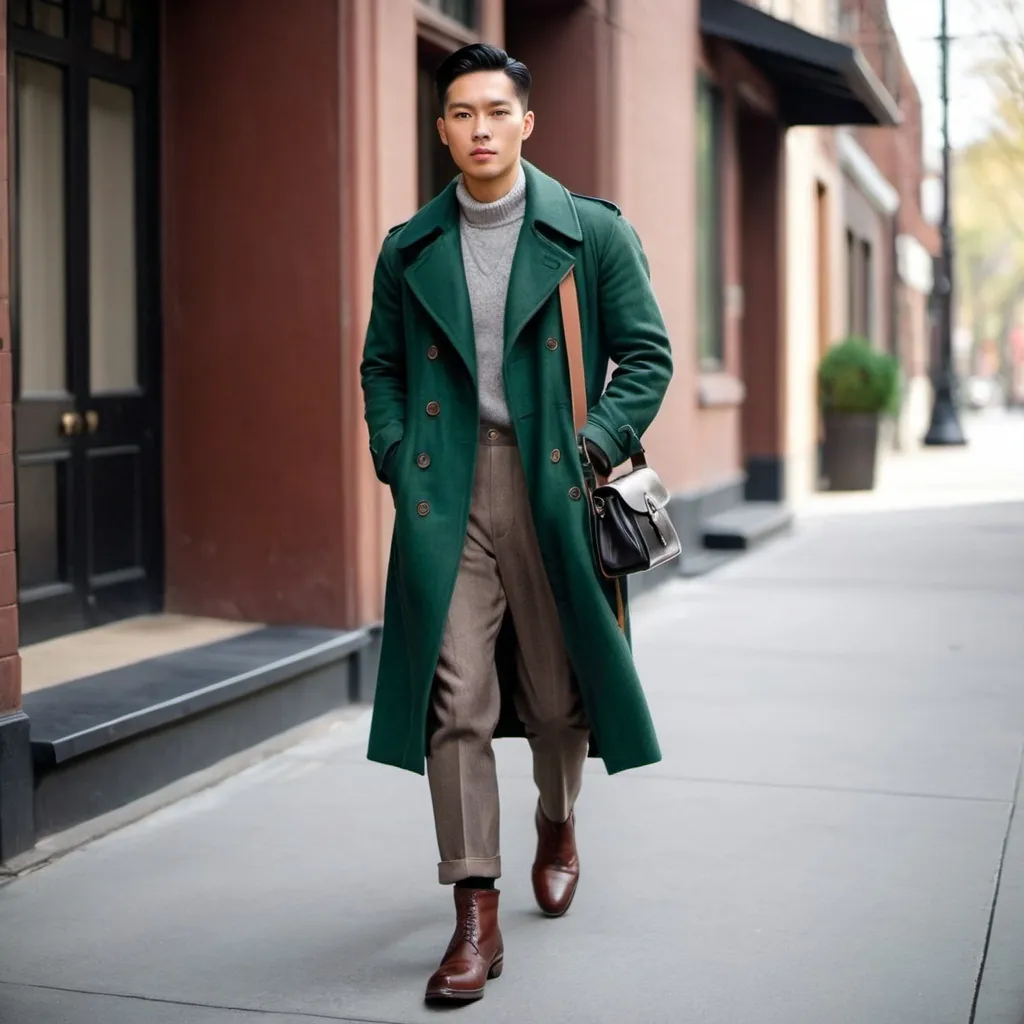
471	925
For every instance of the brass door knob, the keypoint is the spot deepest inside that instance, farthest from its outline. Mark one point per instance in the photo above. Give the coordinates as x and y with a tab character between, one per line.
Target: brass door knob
92	421
70	424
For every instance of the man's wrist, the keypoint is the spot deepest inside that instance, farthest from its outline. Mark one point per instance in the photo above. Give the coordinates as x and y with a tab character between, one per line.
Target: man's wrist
602	464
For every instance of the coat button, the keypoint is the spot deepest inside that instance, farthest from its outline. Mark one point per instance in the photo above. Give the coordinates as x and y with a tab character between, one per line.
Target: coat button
432	352
423	460
556	456
575	493
552	343
433	408
492	435
423	508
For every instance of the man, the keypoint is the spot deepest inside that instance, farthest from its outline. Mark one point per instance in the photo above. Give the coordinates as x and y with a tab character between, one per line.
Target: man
496	620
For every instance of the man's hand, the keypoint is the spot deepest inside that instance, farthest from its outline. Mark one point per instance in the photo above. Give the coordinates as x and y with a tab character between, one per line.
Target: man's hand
602	464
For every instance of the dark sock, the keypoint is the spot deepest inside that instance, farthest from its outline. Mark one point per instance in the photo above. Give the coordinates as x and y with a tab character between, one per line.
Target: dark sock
475	883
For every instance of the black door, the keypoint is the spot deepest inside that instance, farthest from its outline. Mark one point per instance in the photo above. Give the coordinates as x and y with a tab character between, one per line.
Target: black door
84	311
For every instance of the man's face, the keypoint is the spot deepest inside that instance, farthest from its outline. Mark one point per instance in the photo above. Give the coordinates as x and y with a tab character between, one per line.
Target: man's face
484	124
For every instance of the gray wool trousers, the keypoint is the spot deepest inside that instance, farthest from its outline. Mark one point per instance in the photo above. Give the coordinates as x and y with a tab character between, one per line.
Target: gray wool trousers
501	568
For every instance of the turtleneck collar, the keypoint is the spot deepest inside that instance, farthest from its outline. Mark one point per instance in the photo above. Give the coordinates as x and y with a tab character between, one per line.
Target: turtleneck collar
506	210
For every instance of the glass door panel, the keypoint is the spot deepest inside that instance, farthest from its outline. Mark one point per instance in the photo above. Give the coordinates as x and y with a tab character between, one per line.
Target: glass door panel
41	252
113	316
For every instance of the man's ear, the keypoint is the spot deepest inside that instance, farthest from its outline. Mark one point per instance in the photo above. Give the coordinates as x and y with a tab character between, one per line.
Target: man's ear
441	131
528	123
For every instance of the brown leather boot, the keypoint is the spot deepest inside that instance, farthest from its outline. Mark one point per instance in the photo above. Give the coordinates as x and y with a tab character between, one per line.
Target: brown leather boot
556	869
475	953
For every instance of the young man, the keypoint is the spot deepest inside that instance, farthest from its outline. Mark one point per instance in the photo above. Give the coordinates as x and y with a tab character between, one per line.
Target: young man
496	620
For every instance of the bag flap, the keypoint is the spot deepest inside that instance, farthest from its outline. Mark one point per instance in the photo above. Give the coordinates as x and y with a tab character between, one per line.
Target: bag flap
636	489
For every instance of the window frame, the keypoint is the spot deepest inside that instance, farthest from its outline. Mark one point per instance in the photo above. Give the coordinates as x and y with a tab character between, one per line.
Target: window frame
445	30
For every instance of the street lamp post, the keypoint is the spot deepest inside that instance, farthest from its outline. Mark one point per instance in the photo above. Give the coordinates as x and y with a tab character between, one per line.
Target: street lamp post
945	425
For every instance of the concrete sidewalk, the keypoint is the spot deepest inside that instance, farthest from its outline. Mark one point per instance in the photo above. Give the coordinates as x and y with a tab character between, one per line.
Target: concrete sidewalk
842	716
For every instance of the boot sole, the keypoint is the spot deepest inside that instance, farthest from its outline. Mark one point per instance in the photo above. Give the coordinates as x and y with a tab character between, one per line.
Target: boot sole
451	995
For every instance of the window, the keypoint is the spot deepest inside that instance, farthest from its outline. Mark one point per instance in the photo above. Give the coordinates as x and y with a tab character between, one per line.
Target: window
860	294
851	283
709	226
45	16
435	166
462	11
867	292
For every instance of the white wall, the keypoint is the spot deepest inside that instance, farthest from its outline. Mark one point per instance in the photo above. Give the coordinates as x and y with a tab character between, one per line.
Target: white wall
810	161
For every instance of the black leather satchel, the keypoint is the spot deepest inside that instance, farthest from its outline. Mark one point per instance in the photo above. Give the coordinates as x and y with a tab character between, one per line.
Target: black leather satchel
630	525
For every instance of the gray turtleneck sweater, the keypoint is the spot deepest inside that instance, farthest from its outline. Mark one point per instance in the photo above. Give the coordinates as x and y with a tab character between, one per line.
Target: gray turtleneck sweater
490	232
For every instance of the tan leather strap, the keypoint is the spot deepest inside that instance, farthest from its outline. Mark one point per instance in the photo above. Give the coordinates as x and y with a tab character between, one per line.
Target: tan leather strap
574	349
578	389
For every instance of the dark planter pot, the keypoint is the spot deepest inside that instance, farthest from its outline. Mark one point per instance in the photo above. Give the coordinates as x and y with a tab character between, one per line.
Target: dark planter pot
851	449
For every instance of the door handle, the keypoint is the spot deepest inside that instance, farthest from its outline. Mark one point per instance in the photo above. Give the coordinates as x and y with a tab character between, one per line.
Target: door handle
70	424
92	421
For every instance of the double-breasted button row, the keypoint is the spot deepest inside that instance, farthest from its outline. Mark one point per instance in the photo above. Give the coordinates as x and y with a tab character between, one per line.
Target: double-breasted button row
433	408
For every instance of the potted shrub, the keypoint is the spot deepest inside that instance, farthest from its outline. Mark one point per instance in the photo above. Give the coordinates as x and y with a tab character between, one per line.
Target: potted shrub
858	384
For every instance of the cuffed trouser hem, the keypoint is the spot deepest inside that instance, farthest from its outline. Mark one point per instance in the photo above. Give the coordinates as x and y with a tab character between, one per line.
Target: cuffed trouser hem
451	871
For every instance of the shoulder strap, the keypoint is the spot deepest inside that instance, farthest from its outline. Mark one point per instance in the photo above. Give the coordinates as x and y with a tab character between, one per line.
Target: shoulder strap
574	349
578	387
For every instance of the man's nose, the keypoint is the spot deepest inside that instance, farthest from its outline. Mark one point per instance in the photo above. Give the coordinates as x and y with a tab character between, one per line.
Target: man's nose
481	130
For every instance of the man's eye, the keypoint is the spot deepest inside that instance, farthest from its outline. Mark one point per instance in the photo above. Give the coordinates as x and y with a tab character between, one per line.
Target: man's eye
501	113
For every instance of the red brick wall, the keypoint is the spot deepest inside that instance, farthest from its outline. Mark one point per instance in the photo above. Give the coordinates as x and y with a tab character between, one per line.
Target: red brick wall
10	663
253	451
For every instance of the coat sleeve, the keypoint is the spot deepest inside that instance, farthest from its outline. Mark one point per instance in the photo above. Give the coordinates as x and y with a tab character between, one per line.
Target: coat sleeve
382	370
634	334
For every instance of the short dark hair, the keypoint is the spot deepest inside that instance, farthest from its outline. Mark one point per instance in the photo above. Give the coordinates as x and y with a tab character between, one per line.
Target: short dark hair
482	57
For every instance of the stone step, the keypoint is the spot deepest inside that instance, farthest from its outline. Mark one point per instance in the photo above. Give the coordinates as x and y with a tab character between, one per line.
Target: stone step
745	526
106	739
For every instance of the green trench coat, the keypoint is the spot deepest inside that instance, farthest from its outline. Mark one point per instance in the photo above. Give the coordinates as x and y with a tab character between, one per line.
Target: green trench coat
419	383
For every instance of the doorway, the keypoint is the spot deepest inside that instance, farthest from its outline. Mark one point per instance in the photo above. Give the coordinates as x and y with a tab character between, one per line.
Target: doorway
84	293
760	151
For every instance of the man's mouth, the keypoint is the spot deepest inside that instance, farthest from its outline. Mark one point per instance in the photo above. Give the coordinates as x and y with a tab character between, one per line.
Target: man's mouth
482	152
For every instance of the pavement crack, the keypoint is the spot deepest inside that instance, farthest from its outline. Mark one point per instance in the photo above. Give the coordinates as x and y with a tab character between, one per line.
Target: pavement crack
192	1004
979	979
855	790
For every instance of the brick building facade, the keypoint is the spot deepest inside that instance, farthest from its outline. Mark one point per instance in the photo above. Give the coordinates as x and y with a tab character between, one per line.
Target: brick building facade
888	221
199	191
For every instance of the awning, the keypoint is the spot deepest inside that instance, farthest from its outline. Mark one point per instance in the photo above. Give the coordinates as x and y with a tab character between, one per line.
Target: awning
819	81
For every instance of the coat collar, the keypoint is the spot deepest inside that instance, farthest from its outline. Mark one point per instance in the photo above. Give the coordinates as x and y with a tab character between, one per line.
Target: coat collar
547	202
437	278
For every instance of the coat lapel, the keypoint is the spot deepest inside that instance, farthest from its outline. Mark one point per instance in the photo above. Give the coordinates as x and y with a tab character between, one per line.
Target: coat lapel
540	263
437	277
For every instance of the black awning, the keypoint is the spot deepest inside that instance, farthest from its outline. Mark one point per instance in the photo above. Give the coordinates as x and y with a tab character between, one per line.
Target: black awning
819	81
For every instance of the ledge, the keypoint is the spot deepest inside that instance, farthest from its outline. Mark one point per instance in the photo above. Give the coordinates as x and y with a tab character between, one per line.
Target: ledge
715	390
85	715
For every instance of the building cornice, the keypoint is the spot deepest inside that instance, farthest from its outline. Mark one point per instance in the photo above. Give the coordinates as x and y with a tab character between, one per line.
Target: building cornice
864	171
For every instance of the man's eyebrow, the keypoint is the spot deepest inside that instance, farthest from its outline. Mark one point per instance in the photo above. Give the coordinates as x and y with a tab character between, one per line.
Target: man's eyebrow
465	105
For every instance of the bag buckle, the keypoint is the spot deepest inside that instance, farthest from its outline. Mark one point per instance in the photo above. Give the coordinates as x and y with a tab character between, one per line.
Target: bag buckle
652	511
